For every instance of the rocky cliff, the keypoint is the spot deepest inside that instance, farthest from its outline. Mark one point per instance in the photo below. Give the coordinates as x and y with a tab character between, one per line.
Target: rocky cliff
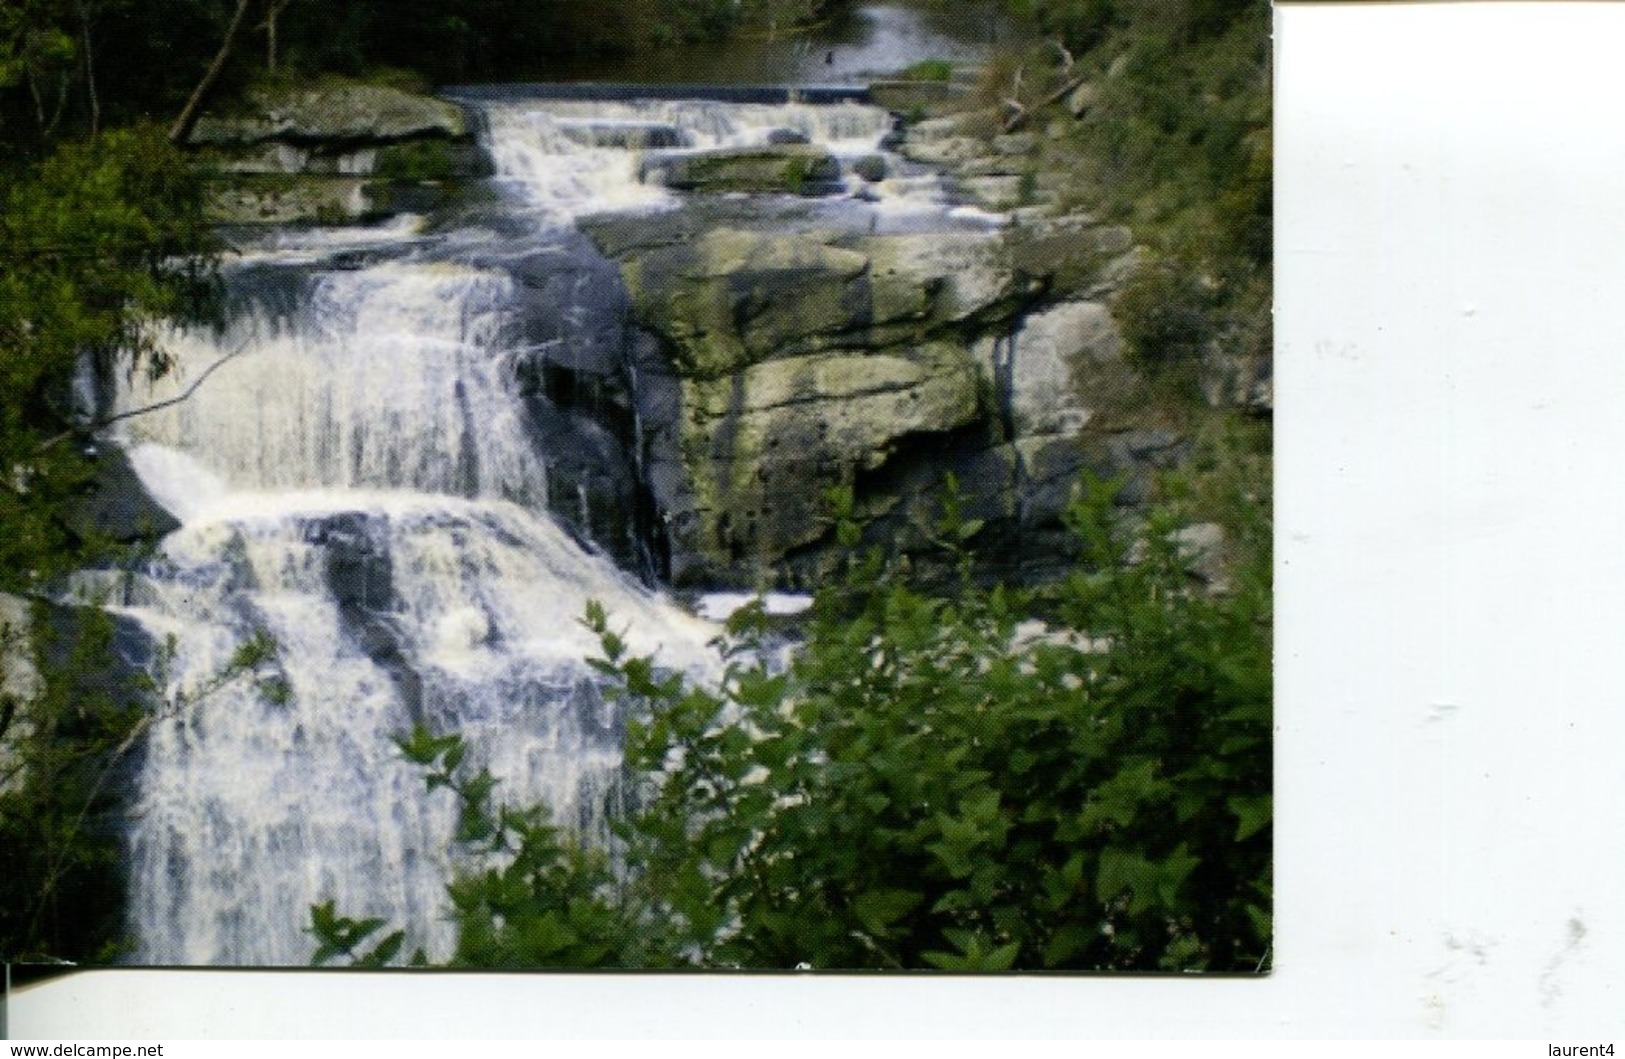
782	358
783	346
334	152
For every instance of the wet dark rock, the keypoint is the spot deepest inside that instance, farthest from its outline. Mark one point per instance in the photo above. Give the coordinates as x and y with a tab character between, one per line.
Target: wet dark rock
627	135
118	506
871	167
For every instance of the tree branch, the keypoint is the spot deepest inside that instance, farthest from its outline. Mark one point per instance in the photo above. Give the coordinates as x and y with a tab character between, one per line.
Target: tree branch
131	413
1021	116
182	128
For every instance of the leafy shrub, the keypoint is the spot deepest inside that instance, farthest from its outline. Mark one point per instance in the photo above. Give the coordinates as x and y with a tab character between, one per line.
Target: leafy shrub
96	241
65	751
1167	319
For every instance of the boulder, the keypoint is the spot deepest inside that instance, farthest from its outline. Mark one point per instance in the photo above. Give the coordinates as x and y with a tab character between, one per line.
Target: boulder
408	160
295	200
733	298
969	275
993	192
730	298
1083	99
625	135
903	501
1071	256
951	151
1202	546
994	165
1036	371
118	505
333	154
779	357
1015	143
931	130
871	167
1049	469
343	112
789	168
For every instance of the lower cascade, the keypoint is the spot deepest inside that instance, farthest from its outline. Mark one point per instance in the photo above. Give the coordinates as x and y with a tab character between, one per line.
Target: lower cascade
385	474
282	788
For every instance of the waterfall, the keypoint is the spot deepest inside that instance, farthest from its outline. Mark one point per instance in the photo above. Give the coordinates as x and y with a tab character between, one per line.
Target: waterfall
383	474
263	797
393	376
572	157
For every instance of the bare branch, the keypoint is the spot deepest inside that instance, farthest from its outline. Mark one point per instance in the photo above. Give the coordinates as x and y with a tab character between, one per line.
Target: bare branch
131	413
182	128
1015	121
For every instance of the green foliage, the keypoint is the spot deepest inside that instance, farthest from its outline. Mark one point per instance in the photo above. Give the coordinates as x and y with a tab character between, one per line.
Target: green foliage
68	67
341	937
1167	318
942	782
1176	144
99	238
929	70
58	749
65	751
96	243
535	897
930	782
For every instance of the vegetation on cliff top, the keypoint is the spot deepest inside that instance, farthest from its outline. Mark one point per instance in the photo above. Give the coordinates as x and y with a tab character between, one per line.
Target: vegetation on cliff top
1171	137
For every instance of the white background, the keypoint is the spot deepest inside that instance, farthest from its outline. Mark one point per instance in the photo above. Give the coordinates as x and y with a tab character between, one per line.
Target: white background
1451	618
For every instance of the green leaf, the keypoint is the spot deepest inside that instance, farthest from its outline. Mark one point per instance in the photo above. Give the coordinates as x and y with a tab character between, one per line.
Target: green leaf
1121	870
1067	941
385	951
877	910
1253	813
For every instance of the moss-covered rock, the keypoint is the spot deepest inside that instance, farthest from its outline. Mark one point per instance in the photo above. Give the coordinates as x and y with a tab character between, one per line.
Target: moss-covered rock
263	199
338	112
333	153
969	275
430	160
760	448
733	298
797	169
914	95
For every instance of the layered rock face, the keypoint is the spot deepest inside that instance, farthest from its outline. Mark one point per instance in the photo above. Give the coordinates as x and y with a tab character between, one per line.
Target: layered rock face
777	364
334	152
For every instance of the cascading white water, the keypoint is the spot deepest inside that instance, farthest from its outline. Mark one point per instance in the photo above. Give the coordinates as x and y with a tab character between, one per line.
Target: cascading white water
254	805
357	479
572	157
390	376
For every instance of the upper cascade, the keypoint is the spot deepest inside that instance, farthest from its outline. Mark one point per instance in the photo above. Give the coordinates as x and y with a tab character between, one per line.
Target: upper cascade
573	157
